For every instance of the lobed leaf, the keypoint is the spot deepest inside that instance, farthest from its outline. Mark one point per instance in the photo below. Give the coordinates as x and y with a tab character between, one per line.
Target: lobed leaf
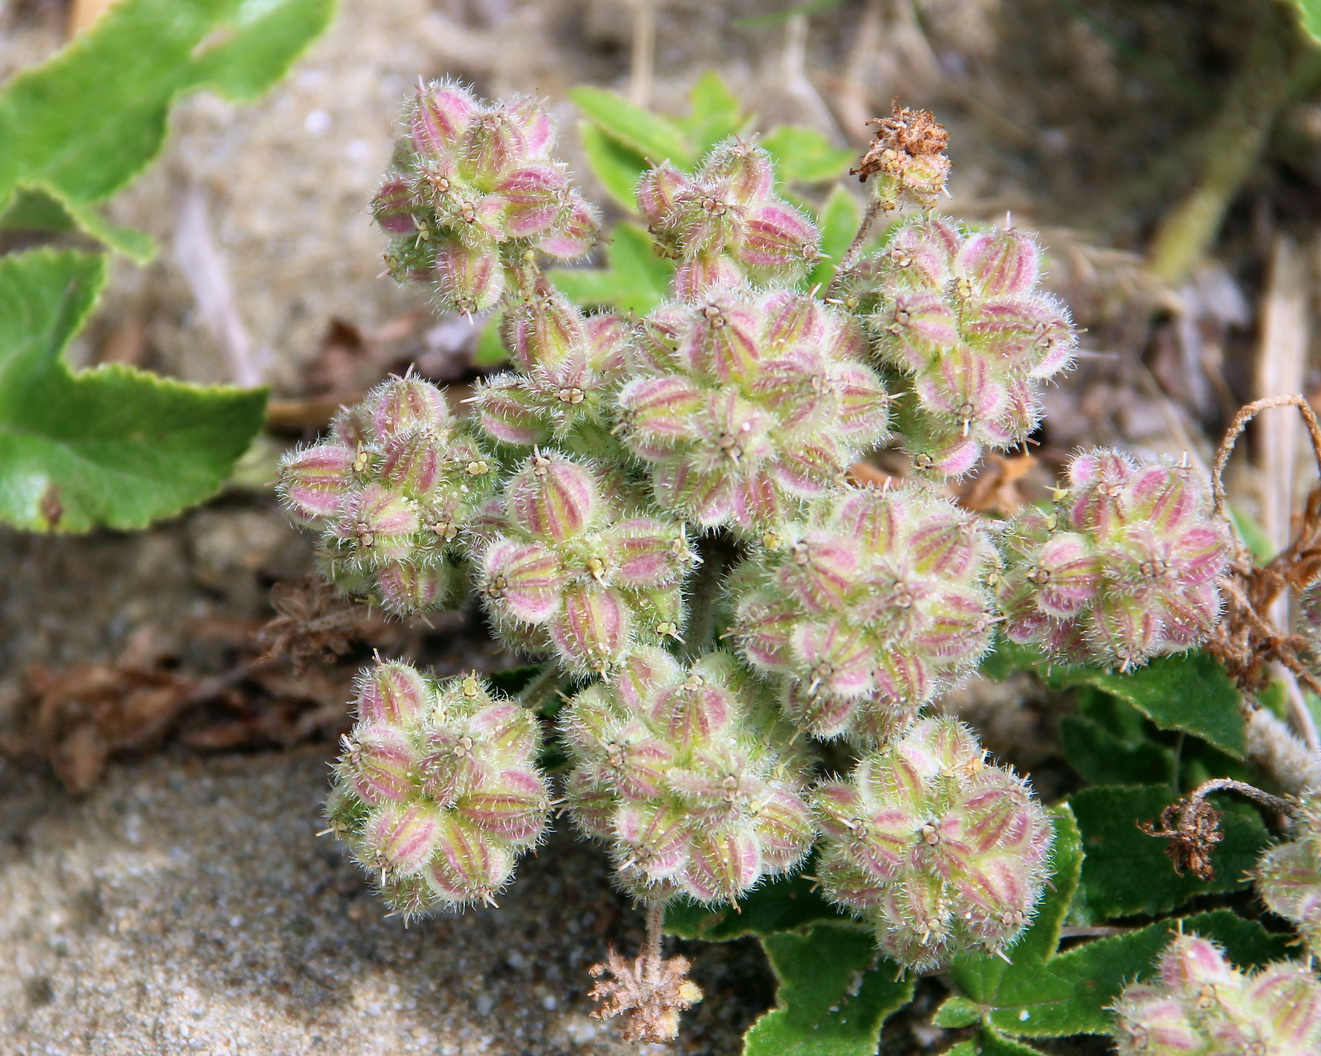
1309	17
654	137
716	113
805	155
1102	758
111	446
782	905
834	995
634	279
80	126
1187	691
838	222
1126	872
617	167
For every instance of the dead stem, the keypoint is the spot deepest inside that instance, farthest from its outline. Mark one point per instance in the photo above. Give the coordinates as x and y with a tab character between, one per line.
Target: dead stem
1240	422
1228	784
642	60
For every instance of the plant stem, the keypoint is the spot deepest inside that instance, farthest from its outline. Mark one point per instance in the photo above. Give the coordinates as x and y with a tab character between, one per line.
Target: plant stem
851	254
1232	148
651	945
534	695
1227	784
699	633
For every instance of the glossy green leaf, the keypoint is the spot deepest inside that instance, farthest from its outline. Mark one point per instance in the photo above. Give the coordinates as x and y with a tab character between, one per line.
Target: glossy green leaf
1189	691
654	137
1072	992
804	155
716	113
81	125
1126	872
634	279
834	994
1044	993
990	1042
784	904
111	446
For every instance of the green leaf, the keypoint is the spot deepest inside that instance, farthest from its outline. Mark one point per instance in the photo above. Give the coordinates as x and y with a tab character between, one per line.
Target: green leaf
111	446
83	124
490	351
833	997
1126	872
1252	533
1188	691
616	166
1309	17
956	1013
990	1042
259	46
838	222
654	137
39	209
716	113
1072	992
633	280
1048	994
804	155
1105	759
1008	658
785	904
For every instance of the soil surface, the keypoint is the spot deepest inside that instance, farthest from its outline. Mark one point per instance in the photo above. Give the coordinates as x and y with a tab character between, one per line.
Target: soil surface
167	892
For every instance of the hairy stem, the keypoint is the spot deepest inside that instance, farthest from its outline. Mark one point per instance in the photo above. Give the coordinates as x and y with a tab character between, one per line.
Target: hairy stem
545	683
851	254
651	945
707	592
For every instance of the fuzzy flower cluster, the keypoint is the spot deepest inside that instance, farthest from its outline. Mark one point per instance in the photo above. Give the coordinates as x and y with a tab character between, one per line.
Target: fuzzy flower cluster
748	403
940	851
1289	875
437	791
569	366
389	491
472	189
724	222
1200	1005
680	771
868	609
575	568
959	324
1123	568
572	502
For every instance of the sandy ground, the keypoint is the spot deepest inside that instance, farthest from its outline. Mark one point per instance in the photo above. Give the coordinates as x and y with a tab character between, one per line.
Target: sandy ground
189	907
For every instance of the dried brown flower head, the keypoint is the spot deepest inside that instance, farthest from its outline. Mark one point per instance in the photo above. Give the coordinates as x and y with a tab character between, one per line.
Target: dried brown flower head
1193	828
906	155
649	992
